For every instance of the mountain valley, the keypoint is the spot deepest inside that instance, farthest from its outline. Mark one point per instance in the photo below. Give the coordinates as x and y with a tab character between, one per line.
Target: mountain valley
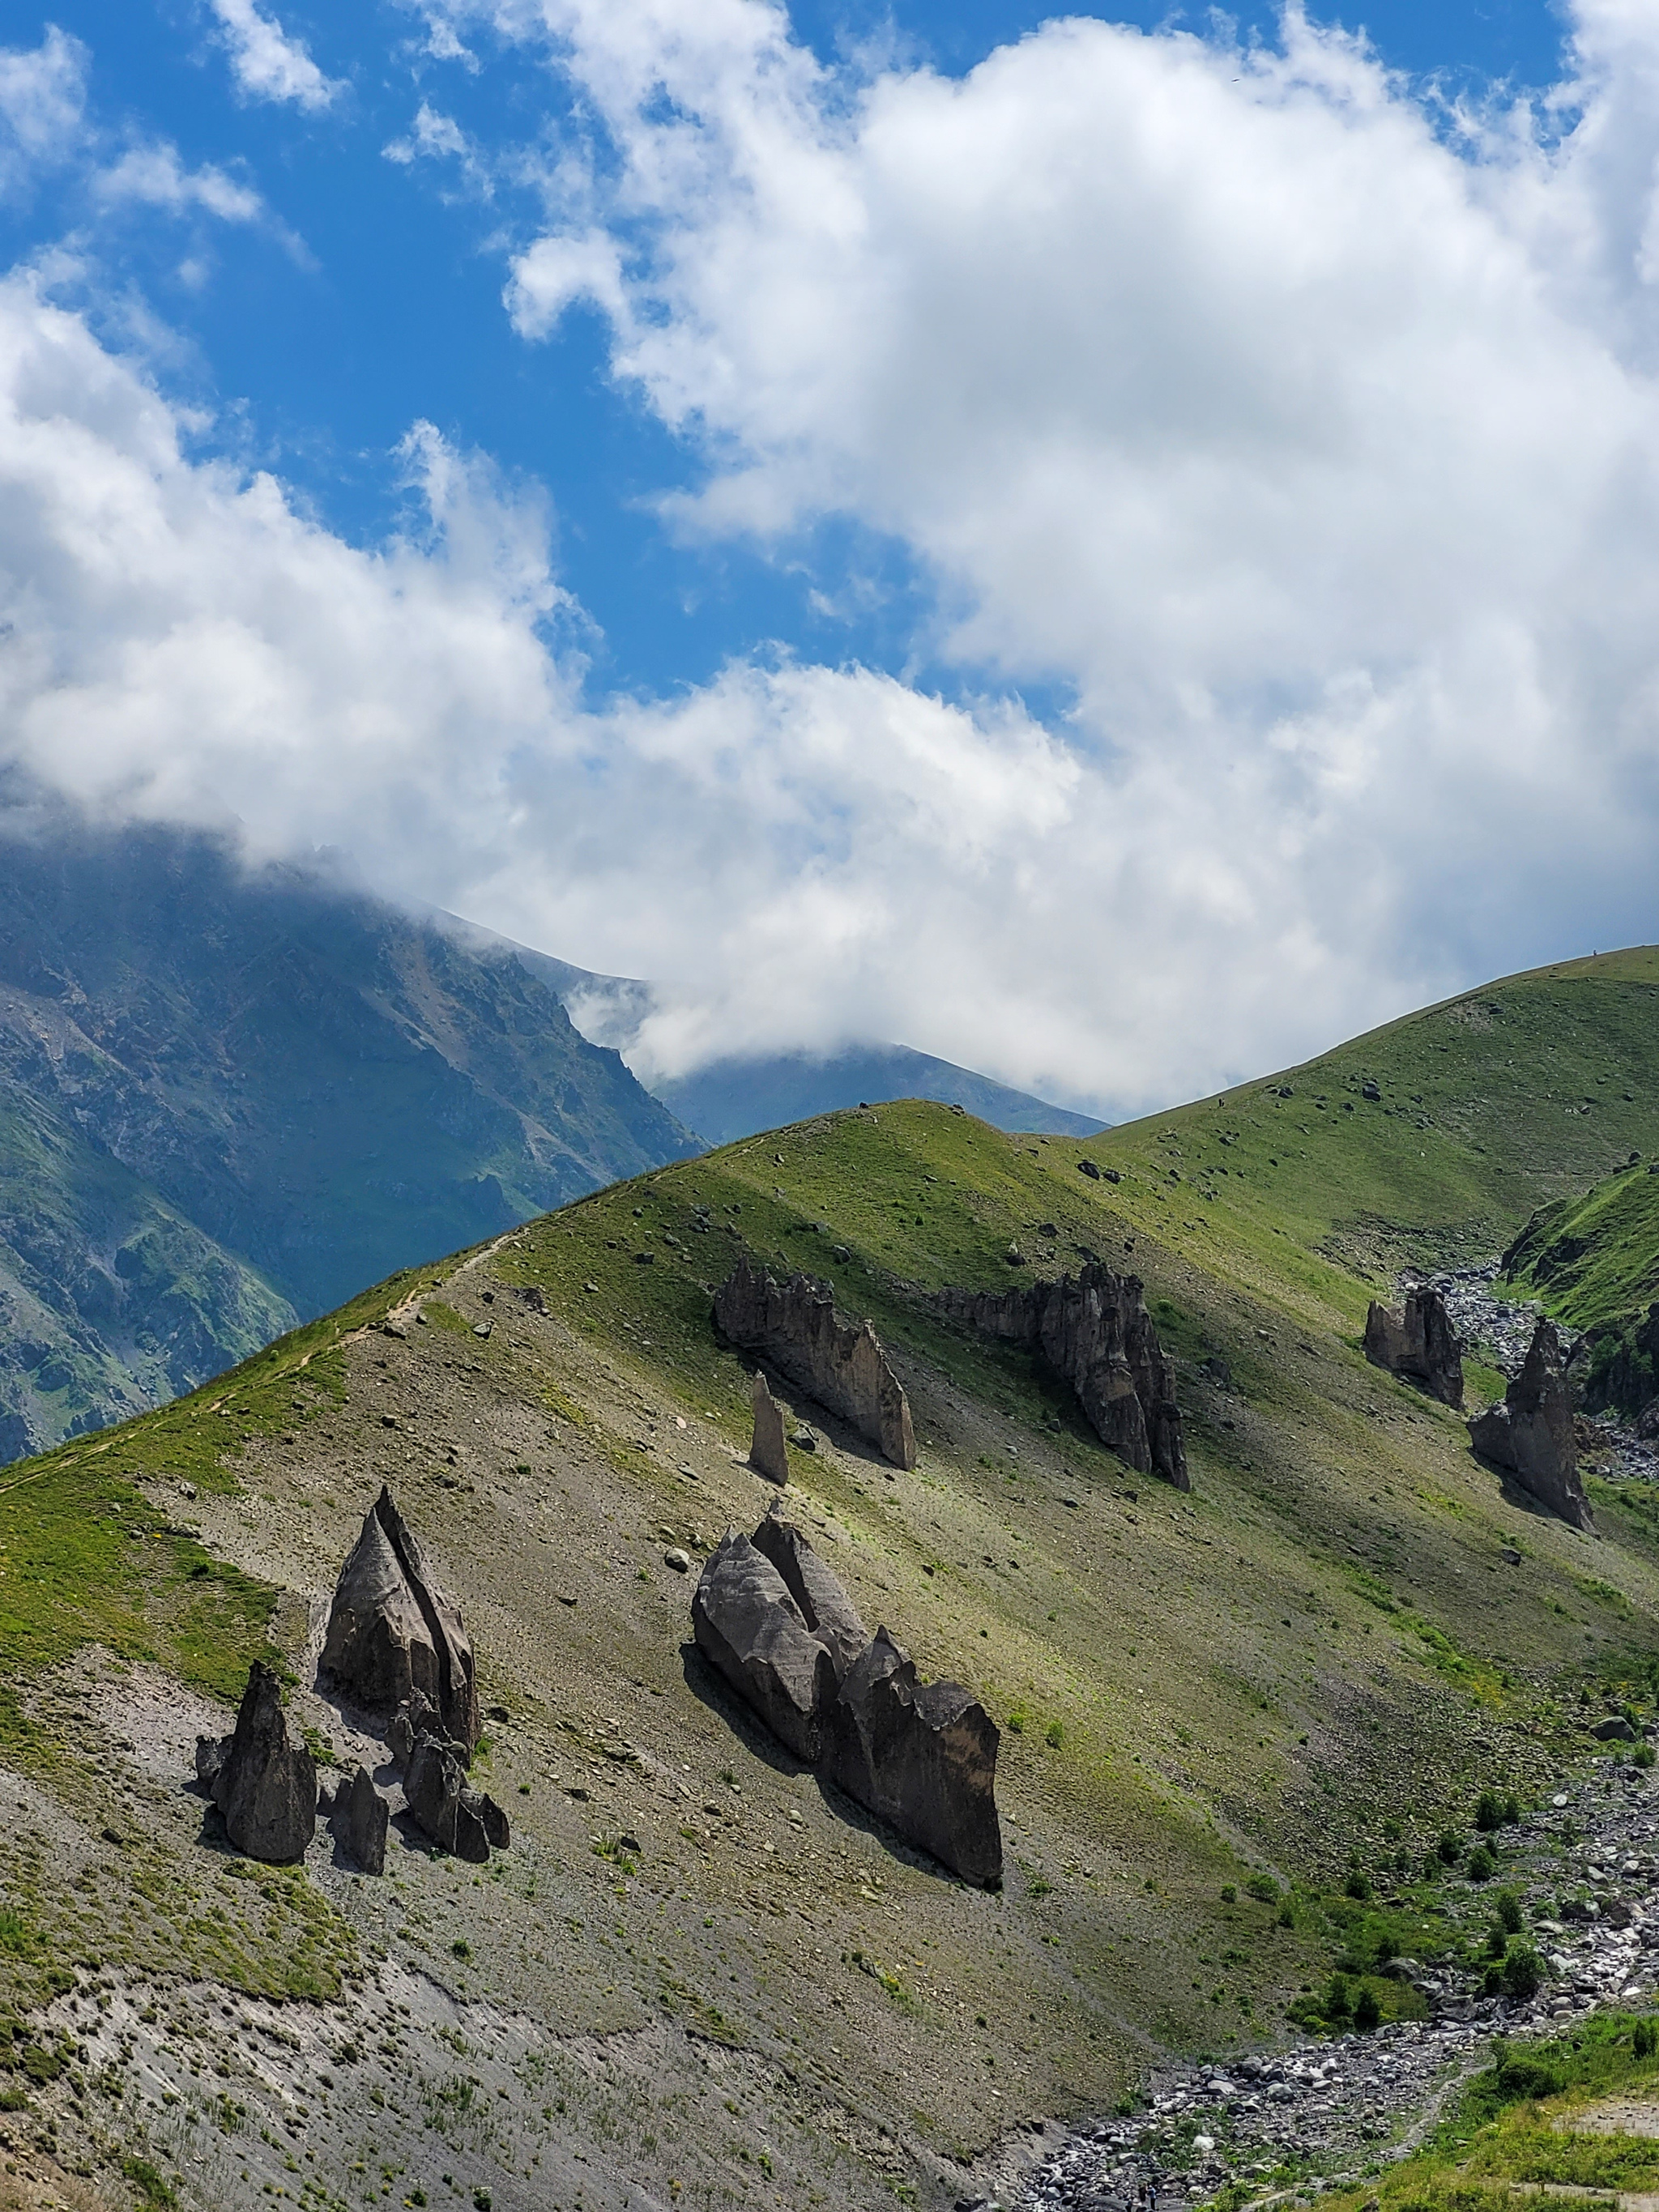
1237	1723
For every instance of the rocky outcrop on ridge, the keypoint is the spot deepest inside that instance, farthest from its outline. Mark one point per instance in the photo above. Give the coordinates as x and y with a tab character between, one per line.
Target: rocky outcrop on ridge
767	1455
1094	1331
770	1615
392	1632
1530	1435
264	1786
1419	1341
841	1362
441	1801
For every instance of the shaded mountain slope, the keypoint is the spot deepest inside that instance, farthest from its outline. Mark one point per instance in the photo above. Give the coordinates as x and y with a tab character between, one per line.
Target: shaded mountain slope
696	1972
304	1085
732	1098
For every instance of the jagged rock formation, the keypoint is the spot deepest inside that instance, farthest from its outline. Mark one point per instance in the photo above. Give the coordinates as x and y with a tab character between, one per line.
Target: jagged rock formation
392	1632
776	1622
1094	1331
441	1801
1418	1340
358	1820
842	1365
1530	1435
767	1455
922	1755
266	1786
824	1605
747	1623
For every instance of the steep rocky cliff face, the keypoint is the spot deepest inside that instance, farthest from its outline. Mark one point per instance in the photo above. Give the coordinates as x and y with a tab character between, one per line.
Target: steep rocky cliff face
227	1100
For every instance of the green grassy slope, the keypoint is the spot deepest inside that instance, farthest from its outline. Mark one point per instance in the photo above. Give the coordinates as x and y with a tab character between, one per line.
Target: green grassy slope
1490	1105
1593	1262
1305	1669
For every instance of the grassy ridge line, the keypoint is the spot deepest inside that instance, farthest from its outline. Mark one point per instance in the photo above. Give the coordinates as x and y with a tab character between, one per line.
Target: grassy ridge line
1490	1104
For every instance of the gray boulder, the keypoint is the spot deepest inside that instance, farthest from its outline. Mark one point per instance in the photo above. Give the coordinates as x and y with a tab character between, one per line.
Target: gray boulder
841	1362
824	1605
749	1627
445	1807
767	1455
921	1755
264	1785
1093	1330
358	1821
1530	1435
779	1625
1418	1340
391	1631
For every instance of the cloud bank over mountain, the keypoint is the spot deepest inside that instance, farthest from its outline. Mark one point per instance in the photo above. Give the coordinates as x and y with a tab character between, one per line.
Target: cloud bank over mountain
1297	434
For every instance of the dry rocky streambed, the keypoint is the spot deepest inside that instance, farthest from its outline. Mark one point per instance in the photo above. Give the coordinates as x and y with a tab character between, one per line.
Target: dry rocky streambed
1284	2123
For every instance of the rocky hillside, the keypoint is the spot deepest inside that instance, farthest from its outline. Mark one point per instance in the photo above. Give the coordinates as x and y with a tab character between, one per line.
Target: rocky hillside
1244	1727
227	1101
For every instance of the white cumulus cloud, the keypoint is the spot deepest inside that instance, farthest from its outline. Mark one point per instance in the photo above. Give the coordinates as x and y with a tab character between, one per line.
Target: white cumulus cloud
42	91
266	62
154	176
1306	444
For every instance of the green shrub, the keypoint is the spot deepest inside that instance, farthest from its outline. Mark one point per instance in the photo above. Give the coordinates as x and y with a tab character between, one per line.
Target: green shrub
1450	1848
1523	1972
1367	2013
1337	1999
1488	1812
1481	1866
1509	1916
1522	2078
1643	2038
1263	1888
1642	1755
1357	1887
1229	1894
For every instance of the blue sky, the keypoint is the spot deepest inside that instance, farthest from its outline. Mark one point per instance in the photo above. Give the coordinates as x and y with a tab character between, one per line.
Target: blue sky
321	359
1112	555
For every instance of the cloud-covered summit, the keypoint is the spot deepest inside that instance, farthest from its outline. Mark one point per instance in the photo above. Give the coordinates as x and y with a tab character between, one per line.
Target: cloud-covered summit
1295	432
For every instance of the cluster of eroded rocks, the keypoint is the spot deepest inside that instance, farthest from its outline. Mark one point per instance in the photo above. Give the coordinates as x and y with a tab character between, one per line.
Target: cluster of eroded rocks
1529	1434
776	1621
396	1649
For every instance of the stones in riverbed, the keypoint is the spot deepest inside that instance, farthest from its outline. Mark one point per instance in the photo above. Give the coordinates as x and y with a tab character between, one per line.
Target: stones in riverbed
1419	1341
264	1785
777	1623
392	1632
